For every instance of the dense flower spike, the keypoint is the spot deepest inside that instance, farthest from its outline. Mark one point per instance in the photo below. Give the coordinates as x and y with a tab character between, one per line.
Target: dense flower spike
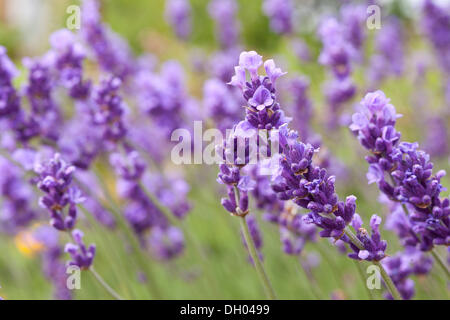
280	13
9	99
374	247
227	27
61	197
178	14
81	256
389	58
16	209
109	109
413	181
39	91
110	50
68	56
263	111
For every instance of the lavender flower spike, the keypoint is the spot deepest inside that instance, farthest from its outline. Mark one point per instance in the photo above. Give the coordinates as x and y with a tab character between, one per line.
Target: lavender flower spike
82	257
61	197
178	14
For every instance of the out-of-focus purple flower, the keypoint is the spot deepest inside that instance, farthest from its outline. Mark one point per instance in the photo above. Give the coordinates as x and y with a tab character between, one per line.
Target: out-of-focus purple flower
280	14
337	93
221	104
389	56
436	139
61	197
336	52
129	167
301	50
110	50
166	243
178	15
163	96
68	56
256	235
52	266
353	18
39	90
227	26
16	209
108	109
222	64
81	256
399	270
171	190
436	23
301	109
9	99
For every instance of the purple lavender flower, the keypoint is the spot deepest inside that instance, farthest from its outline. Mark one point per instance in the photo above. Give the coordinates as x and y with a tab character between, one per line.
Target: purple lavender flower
280	14
389	58
128	167
221	104
436	138
44	110
301	106
52	266
166	243
312	188
263	112
61	197
374	247
9	99
68	58
178	14
110	50
410	169
256	235
109	109
436	23
227	27
336	52
81	256
17	211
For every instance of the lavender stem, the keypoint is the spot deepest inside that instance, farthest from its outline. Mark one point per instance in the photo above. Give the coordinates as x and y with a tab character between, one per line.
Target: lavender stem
104	284
258	265
440	261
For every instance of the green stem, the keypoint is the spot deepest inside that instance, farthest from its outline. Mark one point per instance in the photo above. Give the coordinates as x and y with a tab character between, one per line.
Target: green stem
104	284
387	279
441	262
310	279
145	265
363	279
257	262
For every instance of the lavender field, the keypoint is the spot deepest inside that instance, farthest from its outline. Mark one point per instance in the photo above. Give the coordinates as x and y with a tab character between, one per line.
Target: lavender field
224	149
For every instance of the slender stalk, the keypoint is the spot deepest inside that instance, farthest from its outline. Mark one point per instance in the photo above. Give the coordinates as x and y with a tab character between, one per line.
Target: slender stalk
387	279
145	265
310	279
440	261
258	265
362	276
104	284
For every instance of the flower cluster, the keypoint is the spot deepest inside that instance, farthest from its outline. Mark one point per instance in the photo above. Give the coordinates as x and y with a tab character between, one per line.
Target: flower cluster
263	111
178	14
227	27
409	168
280	13
81	256
61	197
310	187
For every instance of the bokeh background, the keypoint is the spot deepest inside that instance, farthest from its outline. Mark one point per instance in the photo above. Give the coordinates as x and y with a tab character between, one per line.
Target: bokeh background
215	263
